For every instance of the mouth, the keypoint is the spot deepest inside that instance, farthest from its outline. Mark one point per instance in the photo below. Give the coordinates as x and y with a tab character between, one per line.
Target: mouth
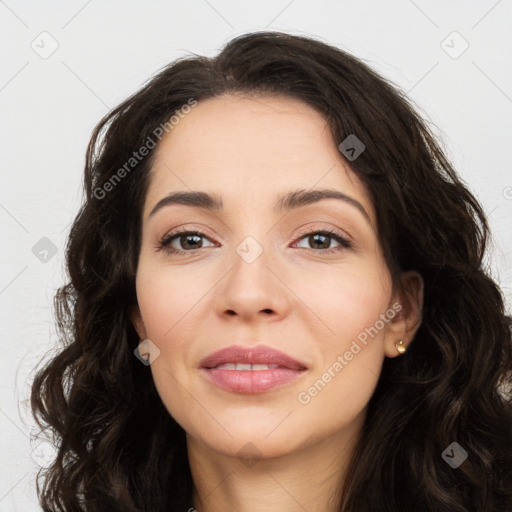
243	367
251	370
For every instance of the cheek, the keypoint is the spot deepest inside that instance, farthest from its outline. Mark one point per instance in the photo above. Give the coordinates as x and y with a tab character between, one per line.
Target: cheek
345	299
169	300
334	399
172	303
350	303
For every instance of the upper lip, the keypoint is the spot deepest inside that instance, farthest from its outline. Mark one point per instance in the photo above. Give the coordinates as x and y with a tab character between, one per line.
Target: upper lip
260	354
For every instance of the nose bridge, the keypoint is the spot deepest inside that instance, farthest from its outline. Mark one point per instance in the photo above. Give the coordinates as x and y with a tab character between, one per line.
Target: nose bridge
250	265
250	249
251	286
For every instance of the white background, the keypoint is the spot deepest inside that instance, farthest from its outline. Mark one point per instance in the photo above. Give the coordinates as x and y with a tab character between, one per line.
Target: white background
106	50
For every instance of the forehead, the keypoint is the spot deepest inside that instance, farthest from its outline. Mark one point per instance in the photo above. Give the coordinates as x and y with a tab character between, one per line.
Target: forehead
258	147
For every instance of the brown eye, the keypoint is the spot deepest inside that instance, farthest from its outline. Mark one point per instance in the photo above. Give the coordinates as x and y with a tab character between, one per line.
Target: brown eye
324	239
187	241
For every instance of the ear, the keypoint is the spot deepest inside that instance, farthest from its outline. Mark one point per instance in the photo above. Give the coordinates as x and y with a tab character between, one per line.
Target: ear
407	321
138	324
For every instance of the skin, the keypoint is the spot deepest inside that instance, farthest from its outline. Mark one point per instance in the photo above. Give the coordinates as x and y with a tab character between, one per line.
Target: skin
296	297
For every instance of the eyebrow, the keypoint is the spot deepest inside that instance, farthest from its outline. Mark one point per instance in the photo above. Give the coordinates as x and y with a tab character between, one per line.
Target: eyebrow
285	203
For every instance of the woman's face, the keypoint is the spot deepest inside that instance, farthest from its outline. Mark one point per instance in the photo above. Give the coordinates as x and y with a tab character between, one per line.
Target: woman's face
262	273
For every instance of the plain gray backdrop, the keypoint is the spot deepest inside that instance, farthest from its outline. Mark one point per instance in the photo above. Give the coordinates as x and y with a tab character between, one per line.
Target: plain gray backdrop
64	65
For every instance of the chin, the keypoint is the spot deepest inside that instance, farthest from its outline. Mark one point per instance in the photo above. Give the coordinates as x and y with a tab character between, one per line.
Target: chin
248	448
249	435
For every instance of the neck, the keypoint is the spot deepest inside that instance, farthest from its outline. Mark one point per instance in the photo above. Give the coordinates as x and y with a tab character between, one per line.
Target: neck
308	478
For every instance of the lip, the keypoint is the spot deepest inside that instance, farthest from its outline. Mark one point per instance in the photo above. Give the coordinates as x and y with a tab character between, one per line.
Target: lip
251	381
260	354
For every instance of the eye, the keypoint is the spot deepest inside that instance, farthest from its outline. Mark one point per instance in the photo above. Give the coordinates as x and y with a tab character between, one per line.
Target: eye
190	241
324	238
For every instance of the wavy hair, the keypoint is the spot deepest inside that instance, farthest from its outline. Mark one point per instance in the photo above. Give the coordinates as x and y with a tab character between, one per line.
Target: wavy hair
118	448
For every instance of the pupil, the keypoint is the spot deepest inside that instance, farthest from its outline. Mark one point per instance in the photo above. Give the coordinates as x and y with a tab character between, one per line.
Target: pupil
324	244
188	237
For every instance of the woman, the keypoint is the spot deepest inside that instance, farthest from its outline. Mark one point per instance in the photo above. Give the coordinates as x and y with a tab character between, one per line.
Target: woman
217	358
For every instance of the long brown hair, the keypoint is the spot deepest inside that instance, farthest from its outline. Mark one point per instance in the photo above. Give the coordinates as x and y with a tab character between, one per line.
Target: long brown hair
118	447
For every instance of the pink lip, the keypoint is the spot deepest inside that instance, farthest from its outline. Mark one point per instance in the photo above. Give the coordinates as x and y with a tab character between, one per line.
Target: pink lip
251	381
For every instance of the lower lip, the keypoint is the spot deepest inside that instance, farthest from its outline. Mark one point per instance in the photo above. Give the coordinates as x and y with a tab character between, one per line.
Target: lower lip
252	381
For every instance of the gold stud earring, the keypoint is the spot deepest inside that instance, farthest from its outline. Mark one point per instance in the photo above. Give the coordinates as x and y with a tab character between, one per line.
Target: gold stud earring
401	348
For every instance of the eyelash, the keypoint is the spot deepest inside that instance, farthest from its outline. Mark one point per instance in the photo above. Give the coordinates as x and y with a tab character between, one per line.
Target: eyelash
164	242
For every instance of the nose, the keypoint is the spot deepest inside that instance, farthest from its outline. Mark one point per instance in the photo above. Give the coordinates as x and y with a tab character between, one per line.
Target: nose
253	289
